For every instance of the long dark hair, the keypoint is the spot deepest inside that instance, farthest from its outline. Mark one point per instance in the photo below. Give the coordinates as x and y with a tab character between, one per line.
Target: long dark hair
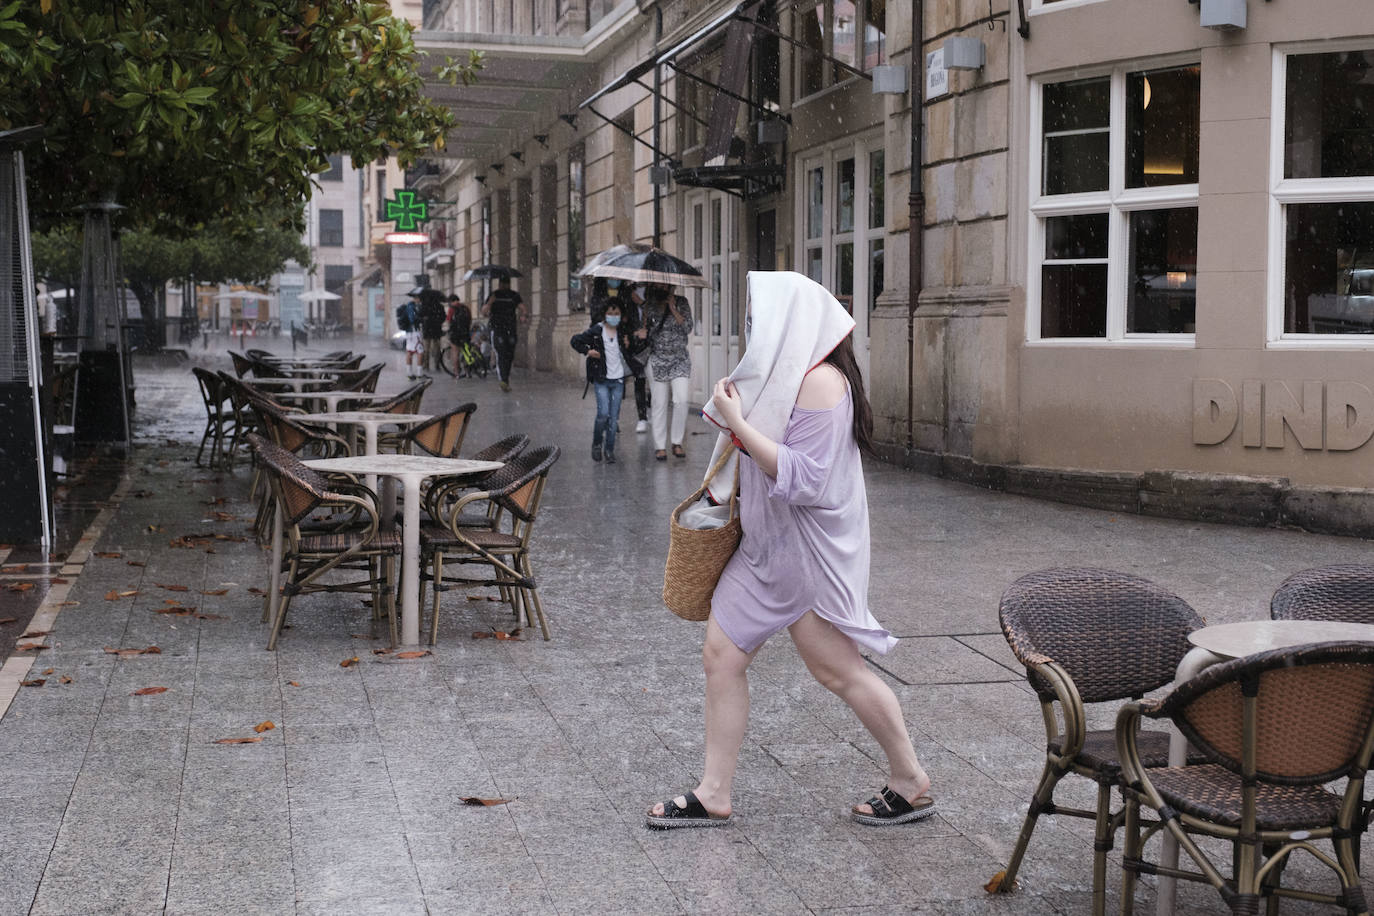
842	358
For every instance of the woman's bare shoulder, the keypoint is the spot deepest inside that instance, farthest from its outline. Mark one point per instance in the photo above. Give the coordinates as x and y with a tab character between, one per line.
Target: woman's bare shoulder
823	388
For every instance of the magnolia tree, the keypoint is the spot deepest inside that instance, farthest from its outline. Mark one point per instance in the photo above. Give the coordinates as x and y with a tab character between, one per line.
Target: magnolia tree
183	112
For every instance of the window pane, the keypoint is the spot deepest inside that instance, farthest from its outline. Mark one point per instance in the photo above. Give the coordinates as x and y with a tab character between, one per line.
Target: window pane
335	170
715	226
875	34
715	299
696	230
1076	237
875	272
810	33
1329	269
1162	127
1162	295
815	265
331	228
815	203
1073	300
846	30
1329	115
1077	145
844	274
844	196
877	183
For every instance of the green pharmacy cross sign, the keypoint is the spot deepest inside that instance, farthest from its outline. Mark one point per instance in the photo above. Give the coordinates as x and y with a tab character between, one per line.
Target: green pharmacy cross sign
406	211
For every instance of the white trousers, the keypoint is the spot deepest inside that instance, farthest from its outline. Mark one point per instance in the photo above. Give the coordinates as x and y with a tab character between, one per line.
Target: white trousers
658	410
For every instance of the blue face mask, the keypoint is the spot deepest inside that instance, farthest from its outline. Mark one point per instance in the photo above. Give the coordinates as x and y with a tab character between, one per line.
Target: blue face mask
612	320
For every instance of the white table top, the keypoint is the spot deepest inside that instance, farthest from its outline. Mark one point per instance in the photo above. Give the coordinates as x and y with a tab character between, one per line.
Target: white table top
403	465
1233	640
362	417
337	395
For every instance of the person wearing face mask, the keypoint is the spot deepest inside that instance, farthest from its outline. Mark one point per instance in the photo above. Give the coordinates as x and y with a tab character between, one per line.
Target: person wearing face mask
608	350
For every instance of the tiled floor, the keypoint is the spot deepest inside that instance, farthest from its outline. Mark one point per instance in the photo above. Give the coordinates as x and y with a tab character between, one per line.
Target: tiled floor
351	803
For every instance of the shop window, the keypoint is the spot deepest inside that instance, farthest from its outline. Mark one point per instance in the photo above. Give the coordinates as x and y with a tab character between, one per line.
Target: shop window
831	33
331	228
1325	200
1116	215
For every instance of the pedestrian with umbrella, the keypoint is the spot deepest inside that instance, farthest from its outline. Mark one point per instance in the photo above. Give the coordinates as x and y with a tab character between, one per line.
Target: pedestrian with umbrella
505	312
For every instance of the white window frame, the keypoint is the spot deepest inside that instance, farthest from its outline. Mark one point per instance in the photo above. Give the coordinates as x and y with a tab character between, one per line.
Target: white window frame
1285	191
1043	6
1118	202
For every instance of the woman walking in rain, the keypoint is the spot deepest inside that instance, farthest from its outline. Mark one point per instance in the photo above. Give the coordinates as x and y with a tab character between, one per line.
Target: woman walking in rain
796	407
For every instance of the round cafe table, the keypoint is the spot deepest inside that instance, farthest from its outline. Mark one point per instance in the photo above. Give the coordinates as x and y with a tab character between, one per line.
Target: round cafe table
1223	642
411	471
370	421
331	399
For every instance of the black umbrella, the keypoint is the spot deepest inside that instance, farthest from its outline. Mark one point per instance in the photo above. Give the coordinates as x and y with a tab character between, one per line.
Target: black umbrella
491	272
637	263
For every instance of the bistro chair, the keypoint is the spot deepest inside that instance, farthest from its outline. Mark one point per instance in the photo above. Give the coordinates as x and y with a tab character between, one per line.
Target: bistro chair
1343	592
219	415
359	379
299	439
242	364
514	493
308	556
443	490
1274	729
441	435
1090	636
408	401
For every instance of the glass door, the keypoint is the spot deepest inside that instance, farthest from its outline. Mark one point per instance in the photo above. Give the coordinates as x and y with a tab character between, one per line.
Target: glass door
713	250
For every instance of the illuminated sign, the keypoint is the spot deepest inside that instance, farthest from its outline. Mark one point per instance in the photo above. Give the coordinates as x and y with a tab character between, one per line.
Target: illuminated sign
406	238
406	211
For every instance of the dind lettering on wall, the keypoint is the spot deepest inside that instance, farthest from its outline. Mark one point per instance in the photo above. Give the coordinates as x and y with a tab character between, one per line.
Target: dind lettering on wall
1332	416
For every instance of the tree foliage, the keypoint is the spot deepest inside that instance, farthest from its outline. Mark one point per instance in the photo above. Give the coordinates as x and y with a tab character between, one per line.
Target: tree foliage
188	111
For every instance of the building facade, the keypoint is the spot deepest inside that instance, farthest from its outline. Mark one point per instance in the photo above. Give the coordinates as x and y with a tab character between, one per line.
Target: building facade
1143	276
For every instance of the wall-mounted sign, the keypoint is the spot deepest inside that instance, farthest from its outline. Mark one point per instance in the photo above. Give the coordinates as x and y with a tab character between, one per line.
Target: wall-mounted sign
406	211
406	238
937	77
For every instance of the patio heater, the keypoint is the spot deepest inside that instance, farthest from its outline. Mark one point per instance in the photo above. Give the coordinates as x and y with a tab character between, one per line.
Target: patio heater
26	503
102	382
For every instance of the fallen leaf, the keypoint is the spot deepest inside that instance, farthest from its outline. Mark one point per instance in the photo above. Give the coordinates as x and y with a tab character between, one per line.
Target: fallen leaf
362	635
264	726
995	885
34	634
129	653
413	654
381	651
29	647
57	580
68	603
253	740
173	588
148	691
498	634
224	516
21	586
16	567
112	595
484	802
36	682
254	590
64	680
154	529
349	662
48	671
128	594
481	634
292	683
5	620
109	554
215	591
138	563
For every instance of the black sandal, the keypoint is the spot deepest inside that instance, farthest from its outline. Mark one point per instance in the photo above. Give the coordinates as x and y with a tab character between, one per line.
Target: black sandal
678	452
693	814
660	455
889	808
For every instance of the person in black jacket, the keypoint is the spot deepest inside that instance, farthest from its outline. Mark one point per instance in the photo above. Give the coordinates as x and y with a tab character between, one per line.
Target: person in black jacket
608	350
431	327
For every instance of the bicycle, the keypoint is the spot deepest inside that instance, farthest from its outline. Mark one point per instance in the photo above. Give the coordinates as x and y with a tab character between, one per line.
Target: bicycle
470	360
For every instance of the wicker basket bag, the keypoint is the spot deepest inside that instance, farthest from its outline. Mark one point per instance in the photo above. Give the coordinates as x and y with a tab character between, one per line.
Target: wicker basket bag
697	557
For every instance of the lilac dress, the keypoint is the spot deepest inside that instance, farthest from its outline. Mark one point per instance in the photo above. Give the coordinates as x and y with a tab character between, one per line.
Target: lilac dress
805	545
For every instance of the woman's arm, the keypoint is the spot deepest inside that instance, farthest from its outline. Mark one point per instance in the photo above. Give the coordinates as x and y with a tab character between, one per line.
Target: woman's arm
762	449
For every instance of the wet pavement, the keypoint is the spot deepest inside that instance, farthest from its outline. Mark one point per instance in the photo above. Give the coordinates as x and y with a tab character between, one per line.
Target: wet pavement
352	802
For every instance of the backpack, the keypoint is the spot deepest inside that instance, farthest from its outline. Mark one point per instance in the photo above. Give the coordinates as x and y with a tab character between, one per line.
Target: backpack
405	316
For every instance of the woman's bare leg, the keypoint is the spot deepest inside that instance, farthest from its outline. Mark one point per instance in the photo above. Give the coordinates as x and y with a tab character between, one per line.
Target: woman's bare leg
727	715
834	660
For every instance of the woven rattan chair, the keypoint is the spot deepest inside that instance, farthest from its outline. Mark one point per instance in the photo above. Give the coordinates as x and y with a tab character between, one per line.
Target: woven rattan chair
219	415
1090	636
515	492
407	401
1344	593
242	364
443	491
441	435
309	556
1274	729
359	379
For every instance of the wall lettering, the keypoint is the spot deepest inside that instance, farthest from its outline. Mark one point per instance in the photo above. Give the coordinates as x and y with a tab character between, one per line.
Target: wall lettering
1333	416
